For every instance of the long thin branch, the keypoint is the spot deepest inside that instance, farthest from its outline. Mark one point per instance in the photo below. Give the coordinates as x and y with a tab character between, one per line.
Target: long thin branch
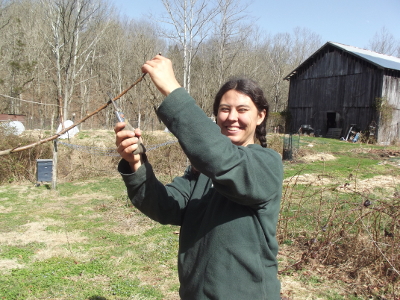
22	148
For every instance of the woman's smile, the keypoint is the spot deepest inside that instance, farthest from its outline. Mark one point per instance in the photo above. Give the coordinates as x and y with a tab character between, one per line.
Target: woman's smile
238	117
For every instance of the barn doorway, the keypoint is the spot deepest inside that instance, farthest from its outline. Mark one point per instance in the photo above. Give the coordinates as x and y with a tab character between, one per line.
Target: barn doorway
333	125
331	120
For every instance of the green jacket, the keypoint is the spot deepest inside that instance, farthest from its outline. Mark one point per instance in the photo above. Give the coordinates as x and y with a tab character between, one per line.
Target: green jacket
228	213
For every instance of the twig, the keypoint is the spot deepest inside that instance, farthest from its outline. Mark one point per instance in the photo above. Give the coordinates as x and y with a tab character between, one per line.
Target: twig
18	149
379	249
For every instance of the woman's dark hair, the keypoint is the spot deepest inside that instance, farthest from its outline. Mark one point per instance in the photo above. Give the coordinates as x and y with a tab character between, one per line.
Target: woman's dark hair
251	89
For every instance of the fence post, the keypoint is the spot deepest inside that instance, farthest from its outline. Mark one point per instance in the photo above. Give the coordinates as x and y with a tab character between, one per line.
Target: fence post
287	148
54	177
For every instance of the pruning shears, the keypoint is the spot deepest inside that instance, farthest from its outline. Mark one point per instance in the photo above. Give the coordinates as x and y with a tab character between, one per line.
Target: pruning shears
121	118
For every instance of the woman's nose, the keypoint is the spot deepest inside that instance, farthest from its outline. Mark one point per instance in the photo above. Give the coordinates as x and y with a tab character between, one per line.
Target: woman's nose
232	115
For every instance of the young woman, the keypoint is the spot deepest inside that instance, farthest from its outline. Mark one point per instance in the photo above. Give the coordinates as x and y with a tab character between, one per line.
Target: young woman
228	209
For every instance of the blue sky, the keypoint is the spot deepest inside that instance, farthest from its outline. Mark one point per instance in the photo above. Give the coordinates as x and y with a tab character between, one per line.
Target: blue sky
350	22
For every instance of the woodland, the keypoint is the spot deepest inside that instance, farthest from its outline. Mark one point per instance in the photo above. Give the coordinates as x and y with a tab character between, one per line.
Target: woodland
61	59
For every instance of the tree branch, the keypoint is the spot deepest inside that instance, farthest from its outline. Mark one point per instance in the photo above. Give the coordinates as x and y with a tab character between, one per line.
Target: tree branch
22	148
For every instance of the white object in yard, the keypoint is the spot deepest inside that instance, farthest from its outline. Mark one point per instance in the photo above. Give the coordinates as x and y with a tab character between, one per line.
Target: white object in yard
13	127
70	133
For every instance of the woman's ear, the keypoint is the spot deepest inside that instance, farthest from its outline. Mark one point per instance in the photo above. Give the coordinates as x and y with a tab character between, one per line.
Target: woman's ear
261	116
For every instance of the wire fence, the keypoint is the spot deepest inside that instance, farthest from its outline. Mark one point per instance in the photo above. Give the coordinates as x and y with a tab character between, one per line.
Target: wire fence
109	151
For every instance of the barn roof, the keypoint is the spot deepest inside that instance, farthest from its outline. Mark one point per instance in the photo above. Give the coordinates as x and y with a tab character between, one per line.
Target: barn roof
379	60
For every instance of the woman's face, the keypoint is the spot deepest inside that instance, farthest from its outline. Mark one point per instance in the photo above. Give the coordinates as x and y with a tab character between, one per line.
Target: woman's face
238	117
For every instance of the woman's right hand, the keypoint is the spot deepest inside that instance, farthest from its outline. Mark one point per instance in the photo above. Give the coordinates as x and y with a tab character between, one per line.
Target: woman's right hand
127	142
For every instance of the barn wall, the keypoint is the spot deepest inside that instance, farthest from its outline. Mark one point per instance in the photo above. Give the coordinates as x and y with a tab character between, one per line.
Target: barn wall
389	129
7	117
334	82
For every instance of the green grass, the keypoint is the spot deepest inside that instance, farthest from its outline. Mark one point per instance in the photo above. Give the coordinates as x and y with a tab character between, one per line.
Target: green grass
348	162
21	253
98	256
85	241
61	277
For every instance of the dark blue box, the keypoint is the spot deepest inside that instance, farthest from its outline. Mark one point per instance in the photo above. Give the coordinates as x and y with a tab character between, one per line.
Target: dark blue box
44	170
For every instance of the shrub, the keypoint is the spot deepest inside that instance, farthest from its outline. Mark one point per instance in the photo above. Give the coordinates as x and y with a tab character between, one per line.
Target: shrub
20	166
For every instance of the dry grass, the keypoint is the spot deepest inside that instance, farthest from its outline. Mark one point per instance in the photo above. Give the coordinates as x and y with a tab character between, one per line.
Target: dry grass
342	233
332	244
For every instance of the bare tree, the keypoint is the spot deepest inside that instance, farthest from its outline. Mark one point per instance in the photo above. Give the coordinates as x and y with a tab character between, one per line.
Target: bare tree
76	28
190	20
278	54
16	60
127	44
305	43
384	42
228	33
4	17
283	53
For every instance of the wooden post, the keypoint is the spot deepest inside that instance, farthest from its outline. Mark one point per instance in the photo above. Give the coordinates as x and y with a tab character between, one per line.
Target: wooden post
54	177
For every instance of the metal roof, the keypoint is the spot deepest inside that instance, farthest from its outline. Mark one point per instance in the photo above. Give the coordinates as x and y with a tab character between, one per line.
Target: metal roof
378	59
375	58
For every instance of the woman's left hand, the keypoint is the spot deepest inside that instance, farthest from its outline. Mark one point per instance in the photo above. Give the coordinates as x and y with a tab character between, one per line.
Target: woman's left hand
127	142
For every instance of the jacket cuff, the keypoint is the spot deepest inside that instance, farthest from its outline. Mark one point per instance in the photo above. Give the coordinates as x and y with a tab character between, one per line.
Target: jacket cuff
134	178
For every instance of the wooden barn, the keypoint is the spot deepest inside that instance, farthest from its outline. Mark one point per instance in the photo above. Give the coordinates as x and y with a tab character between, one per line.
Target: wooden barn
339	86
8	118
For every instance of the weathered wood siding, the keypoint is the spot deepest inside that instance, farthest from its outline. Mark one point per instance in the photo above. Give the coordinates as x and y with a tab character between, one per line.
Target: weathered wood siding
389	129
334	82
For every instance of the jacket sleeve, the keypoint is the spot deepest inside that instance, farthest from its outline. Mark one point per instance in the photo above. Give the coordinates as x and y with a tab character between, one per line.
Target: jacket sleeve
249	175
164	204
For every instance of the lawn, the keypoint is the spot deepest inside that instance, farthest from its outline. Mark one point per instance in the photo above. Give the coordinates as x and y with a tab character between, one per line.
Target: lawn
338	229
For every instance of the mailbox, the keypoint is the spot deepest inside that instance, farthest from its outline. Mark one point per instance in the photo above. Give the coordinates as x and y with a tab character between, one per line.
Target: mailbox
44	170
